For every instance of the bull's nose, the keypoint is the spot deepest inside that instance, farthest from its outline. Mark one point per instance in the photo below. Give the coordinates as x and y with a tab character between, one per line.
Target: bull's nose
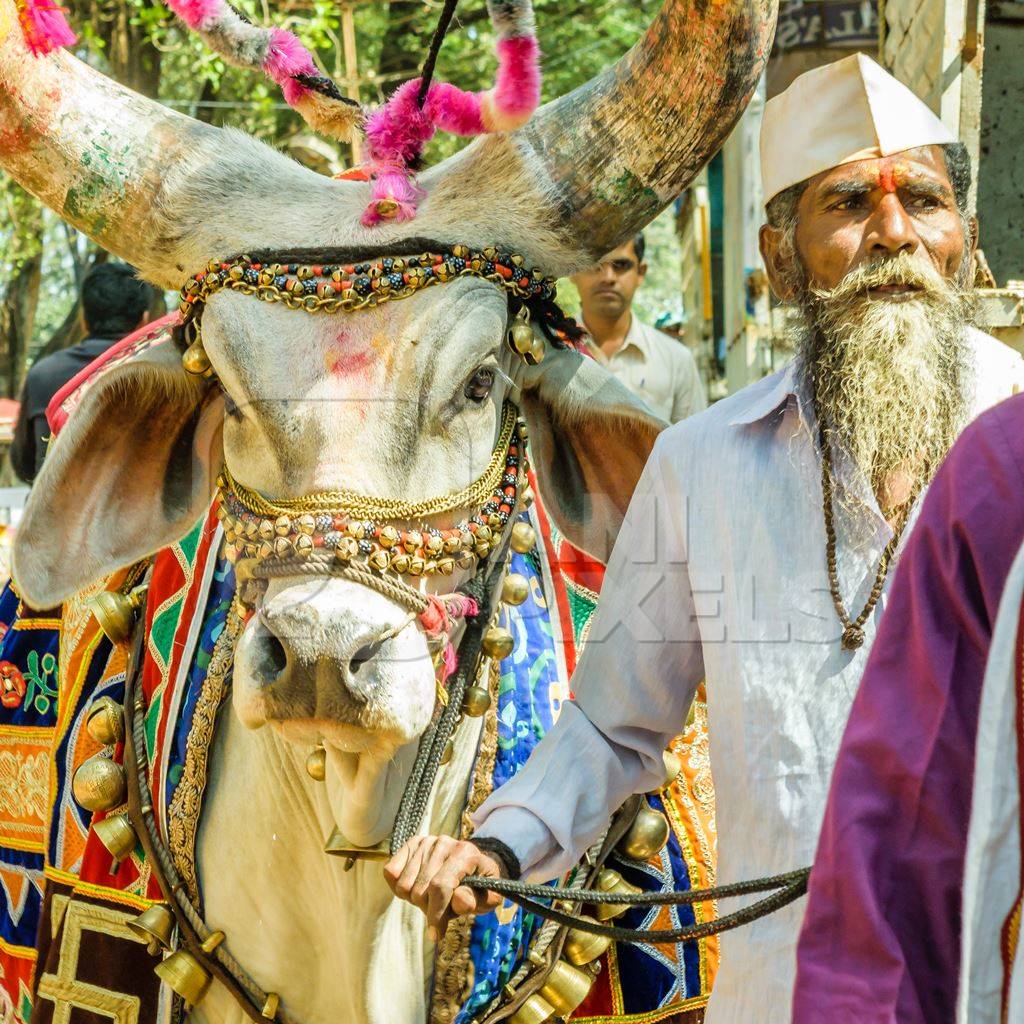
294	643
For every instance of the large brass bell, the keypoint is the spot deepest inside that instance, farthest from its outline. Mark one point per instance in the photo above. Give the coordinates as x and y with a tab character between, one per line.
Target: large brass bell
475	701
524	537
105	723
497	642
583	947
316	764
646	836
155	926
185	976
195	360
535	1010
611	881
566	987
116	612
117	835
99	784
515	589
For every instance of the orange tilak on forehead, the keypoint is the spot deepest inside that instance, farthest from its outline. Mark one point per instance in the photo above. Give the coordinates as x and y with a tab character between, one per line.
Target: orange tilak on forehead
891	174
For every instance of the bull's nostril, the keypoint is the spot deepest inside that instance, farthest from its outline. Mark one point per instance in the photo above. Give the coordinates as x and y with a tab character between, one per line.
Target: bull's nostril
273	658
362	656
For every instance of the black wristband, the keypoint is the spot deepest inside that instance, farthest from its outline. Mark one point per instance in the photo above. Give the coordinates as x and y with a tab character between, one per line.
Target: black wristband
496	848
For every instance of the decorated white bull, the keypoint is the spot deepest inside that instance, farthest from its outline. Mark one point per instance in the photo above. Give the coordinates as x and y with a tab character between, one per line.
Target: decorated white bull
318	504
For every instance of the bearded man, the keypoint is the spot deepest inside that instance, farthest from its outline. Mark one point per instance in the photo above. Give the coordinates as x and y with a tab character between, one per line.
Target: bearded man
757	548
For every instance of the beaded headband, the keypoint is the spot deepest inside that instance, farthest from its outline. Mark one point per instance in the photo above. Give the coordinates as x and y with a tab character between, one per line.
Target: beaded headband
332	288
360	529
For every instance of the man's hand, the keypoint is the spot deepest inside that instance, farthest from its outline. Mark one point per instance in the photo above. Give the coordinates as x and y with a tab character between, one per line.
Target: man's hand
427	872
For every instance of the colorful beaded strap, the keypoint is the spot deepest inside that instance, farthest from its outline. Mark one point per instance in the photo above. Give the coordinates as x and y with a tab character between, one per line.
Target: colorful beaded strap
331	288
358	529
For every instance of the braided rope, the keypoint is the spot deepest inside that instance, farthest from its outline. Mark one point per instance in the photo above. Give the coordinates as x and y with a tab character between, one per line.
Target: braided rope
788	893
361	506
325	564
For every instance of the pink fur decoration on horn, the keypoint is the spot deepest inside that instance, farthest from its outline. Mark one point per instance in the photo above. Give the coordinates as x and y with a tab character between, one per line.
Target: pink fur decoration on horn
279	55
397	133
44	26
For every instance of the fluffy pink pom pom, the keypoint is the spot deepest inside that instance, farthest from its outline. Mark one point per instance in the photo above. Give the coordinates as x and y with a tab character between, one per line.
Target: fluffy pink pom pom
287	57
196	13
44	26
517	83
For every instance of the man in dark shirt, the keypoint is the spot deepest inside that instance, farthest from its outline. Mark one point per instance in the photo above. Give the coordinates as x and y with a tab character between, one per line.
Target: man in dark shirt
114	303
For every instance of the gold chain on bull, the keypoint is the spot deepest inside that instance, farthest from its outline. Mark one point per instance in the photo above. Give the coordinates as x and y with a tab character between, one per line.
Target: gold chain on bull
361	529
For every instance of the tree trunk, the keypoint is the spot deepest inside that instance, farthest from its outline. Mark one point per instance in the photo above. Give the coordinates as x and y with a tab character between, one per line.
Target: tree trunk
17	317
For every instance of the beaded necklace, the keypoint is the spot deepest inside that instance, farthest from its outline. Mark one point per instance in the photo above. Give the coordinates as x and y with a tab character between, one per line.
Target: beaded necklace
361	529
853	630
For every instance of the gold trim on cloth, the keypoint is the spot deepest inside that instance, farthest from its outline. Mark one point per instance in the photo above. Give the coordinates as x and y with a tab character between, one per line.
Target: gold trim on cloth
183	814
64	989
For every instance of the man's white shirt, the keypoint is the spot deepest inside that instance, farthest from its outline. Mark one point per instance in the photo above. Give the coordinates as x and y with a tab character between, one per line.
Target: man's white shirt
719	573
658	369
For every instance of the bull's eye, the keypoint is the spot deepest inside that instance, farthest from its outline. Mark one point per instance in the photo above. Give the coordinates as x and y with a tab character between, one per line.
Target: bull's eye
478	387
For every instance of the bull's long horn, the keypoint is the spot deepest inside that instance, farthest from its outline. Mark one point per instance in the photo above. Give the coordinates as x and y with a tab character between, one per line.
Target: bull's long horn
90	149
621	147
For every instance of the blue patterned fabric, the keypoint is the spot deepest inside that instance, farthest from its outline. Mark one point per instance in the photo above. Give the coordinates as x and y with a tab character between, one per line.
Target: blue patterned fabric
527	708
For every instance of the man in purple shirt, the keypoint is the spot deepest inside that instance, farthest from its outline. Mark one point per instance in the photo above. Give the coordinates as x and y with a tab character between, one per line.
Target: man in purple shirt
881	938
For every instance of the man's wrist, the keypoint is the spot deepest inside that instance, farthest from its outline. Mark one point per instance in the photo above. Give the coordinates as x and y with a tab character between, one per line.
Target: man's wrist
500	852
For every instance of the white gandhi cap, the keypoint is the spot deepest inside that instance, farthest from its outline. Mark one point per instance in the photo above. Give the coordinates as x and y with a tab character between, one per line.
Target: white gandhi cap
846	111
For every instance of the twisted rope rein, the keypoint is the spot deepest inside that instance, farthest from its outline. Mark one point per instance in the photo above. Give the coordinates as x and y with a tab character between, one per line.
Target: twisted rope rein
790	886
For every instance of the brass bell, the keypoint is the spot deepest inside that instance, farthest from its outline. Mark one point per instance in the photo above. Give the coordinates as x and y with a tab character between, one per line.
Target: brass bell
195	360
515	589
535	1010
673	766
155	926
497	642
105	723
99	784
116	612
117	835
582	947
316	764
566	987
611	881
475	701
537	352
522	337
185	976
646	836
524	537
446	754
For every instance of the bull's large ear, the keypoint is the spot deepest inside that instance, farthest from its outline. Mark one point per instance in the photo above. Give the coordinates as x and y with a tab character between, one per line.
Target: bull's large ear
589	439
133	468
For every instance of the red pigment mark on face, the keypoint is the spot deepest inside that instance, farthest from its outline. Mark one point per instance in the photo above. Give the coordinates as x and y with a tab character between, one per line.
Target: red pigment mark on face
340	361
891	174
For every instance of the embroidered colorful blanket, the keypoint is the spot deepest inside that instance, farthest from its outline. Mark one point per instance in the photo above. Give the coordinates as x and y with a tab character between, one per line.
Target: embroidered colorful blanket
52	670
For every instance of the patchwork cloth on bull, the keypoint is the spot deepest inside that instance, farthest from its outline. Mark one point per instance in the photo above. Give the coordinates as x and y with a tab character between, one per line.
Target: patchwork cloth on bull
309	395
90	960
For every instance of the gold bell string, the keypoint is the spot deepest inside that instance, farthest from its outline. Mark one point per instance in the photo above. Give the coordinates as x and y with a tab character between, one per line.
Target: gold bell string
379	533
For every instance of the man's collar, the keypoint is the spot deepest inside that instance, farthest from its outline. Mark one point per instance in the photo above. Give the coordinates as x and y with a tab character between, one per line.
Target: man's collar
636	335
787	385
